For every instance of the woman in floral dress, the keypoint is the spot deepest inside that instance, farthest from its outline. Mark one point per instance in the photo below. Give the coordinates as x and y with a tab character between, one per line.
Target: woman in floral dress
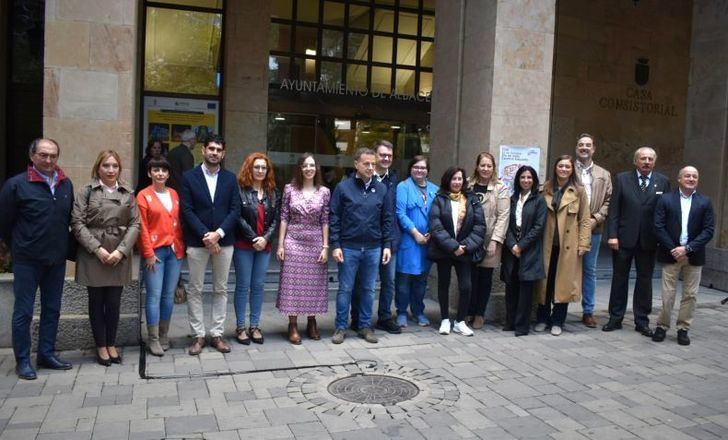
303	245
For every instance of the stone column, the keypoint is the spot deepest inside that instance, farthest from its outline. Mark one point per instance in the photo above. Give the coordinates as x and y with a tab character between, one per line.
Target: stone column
245	121
492	86
89	105
706	126
492	78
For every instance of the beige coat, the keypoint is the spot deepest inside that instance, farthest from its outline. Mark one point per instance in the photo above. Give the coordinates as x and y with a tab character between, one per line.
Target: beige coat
108	220
574	235
496	205
601	196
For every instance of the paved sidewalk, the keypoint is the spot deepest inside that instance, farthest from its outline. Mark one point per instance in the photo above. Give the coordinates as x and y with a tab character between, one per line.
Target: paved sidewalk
584	384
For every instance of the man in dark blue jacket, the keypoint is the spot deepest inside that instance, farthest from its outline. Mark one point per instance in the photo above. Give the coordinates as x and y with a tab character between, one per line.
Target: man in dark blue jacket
684	224
360	225
384	151
210	209
36	210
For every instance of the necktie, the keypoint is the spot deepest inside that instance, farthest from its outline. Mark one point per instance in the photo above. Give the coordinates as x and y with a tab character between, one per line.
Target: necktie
643	183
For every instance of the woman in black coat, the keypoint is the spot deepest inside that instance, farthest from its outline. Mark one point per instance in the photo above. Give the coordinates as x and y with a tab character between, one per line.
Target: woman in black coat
457	227
522	262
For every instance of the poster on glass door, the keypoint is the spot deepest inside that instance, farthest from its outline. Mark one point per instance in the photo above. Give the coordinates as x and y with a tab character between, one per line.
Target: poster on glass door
165	119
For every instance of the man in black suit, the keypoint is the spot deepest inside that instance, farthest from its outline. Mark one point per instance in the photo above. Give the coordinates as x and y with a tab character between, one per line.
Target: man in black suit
631	230
684	224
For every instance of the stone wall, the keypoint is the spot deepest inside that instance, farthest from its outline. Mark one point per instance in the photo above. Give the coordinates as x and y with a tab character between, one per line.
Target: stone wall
90	85
245	121
598	45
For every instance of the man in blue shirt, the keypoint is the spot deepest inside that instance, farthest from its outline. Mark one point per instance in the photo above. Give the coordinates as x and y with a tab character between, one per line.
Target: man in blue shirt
360	224
36	207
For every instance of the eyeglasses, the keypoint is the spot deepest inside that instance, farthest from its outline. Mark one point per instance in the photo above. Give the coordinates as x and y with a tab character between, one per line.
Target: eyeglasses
46	156
260	167
385	156
420	168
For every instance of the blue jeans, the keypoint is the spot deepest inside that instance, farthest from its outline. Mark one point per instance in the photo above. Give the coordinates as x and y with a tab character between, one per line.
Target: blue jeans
250	269
411	293
28	277
160	285
589	275
386	291
364	263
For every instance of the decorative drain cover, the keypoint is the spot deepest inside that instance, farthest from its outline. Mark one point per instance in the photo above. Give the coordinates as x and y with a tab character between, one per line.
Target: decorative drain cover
366	391
373	388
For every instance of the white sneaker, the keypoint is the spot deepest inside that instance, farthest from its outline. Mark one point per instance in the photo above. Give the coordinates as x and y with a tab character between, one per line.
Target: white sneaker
539	327
445	327
555	330
462	328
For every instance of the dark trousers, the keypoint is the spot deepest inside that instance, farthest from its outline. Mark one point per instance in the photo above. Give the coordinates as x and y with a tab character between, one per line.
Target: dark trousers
28	277
519	298
103	312
547	314
644	262
463	272
481	284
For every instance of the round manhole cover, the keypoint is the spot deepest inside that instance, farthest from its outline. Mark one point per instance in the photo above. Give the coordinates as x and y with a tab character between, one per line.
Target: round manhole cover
373	388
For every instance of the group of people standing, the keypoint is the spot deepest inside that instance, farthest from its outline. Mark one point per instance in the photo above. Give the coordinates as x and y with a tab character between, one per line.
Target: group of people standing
544	237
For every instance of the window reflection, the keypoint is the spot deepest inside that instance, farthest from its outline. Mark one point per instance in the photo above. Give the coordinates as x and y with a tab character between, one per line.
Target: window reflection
382	49
189	62
358	17
332	44
358	46
381	79
308	10
282	9
334	14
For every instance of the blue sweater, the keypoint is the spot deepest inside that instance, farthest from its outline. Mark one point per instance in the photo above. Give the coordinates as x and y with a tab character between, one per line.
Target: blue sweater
34	222
359	217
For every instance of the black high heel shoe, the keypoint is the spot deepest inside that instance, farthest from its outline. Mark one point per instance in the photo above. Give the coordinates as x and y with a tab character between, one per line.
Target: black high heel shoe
115	359
102	361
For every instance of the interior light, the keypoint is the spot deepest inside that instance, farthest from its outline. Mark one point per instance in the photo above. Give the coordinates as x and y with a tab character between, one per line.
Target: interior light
310	52
279	117
396	127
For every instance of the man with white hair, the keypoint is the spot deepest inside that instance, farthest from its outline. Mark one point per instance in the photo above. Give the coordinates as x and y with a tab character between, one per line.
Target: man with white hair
181	159
631	233
684	222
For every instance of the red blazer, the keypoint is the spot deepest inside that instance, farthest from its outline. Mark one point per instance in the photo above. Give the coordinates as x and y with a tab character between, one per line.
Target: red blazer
159	226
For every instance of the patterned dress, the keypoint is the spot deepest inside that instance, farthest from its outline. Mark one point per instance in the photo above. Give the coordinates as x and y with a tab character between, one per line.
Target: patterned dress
303	289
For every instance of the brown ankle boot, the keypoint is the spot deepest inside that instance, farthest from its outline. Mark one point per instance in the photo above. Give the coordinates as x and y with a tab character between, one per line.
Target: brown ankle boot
312	329
293	336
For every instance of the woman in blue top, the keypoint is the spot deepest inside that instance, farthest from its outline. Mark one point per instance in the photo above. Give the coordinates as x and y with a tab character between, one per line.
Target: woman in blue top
414	199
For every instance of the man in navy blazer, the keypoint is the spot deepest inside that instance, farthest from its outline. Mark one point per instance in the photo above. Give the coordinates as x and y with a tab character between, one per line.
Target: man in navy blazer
631	235
210	207
684	224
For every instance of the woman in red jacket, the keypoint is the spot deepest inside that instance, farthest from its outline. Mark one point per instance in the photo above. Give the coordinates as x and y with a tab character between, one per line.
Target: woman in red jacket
162	248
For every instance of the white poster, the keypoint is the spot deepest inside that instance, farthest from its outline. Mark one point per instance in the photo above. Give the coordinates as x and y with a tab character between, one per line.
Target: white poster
512	157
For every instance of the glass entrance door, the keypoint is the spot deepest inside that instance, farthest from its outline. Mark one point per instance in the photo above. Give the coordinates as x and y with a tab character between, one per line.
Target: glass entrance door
334	141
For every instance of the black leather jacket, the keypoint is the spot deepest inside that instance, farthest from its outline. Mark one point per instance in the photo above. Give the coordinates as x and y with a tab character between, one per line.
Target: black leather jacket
248	219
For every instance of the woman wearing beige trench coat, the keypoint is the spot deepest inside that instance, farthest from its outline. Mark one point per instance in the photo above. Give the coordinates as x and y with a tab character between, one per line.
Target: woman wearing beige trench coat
105	221
495	200
566	238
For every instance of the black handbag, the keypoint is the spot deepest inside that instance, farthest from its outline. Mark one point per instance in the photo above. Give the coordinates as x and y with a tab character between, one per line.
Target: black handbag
478	255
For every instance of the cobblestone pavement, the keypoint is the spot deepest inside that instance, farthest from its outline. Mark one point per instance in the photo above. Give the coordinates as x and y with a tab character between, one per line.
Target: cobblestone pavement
584	384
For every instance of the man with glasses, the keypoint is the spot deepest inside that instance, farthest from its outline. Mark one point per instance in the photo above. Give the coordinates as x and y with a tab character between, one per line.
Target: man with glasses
384	152
36	207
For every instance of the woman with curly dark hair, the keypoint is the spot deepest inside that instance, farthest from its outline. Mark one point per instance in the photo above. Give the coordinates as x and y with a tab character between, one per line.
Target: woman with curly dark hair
259	205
